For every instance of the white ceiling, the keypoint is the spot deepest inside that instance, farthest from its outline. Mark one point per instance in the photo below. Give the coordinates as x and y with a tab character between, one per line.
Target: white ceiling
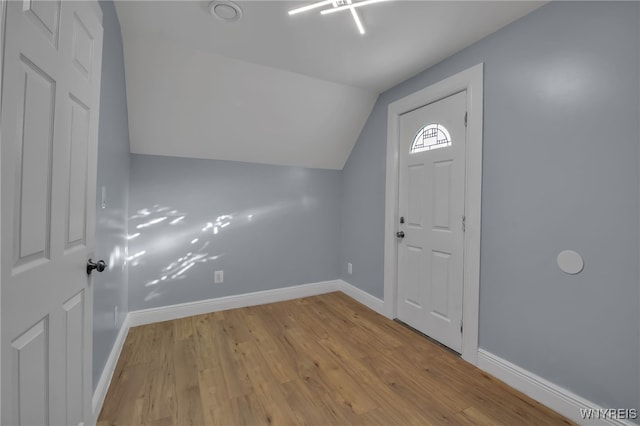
280	89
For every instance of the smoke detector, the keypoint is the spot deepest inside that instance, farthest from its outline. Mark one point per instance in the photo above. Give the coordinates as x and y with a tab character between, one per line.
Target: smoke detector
226	11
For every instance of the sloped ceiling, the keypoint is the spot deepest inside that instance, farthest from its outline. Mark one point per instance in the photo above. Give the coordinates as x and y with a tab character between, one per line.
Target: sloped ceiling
279	89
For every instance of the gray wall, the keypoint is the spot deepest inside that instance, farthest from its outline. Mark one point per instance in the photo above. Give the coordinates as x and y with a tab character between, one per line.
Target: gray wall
110	287
560	172
282	228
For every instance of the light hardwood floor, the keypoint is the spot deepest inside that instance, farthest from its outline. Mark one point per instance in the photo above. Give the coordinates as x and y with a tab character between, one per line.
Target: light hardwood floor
319	360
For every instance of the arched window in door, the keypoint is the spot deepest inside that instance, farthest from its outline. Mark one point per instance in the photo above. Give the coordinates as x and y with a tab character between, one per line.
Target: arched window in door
431	136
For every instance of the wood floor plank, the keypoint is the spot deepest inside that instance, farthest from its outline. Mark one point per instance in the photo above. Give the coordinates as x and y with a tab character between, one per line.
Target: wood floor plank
220	412
159	401
322	360
127	390
187	386
266	387
272	350
226	342
183	328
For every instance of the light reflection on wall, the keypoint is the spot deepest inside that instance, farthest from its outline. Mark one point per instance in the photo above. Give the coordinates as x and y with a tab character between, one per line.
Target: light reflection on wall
160	230
183	233
114	257
176	220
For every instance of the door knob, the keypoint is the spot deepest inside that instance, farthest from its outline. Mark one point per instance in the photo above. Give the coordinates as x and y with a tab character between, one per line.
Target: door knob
100	266
400	234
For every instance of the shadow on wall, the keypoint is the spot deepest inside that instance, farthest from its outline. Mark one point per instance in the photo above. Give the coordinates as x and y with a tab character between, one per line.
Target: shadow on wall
159	231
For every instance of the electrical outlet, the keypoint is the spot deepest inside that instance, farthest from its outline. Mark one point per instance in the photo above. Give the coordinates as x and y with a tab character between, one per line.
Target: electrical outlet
218	277
349	268
115	316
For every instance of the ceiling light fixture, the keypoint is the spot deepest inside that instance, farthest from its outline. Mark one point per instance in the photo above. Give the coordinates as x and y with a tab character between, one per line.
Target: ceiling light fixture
226	11
356	18
310	7
337	6
352	6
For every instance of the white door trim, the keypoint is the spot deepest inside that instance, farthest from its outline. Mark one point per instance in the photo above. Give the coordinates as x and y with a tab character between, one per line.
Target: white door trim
470	80
3	8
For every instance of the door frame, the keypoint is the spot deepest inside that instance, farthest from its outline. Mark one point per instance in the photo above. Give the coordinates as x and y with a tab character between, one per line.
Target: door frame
470	80
3	8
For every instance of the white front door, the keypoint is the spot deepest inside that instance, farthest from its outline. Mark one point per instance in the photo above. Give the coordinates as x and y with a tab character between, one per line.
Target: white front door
431	211
50	99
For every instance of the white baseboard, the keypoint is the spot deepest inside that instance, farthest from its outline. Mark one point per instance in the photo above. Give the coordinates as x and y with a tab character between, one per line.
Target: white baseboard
167	313
361	296
553	396
107	373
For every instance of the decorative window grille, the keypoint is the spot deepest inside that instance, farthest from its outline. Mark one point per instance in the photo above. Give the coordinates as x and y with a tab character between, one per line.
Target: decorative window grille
432	136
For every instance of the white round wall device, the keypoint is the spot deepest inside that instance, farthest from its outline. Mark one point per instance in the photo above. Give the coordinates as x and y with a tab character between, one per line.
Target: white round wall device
570	262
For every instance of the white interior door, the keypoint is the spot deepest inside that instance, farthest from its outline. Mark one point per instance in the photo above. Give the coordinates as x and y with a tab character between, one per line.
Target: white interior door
51	88
431	209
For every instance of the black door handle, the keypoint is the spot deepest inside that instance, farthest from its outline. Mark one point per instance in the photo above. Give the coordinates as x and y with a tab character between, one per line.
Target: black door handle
400	234
100	266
